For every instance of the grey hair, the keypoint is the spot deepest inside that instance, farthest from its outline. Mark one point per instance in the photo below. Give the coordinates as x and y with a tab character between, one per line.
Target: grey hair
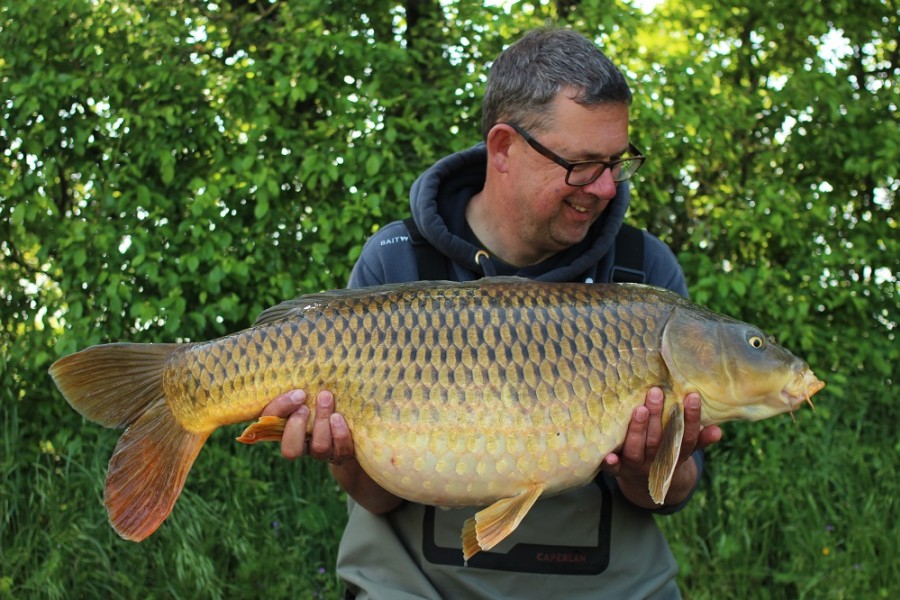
528	75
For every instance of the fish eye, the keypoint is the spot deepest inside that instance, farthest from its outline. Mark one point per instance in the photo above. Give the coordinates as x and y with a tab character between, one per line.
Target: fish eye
756	341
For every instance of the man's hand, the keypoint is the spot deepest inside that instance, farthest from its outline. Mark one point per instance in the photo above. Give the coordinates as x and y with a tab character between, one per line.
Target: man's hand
330	436
631	466
329	439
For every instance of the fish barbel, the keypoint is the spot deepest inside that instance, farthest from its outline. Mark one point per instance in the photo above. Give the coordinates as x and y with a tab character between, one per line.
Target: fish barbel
489	393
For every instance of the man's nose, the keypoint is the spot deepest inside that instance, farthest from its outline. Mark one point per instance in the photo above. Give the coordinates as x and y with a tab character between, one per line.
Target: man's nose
603	187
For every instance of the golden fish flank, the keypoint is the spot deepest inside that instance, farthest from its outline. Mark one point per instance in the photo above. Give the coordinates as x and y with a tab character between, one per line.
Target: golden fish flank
457	394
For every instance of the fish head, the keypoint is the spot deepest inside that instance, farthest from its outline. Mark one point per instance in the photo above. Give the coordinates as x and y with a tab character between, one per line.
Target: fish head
740	371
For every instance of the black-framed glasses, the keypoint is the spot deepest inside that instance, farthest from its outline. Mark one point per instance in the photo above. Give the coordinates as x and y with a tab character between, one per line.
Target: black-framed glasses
585	172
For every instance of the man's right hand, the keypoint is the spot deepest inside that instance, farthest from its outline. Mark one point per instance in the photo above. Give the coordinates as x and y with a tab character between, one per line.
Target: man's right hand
329	439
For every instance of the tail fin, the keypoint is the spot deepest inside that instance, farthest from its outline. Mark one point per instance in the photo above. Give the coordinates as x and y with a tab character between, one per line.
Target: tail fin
121	385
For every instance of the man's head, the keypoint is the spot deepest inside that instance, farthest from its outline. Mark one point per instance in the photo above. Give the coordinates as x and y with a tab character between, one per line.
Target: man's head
526	78
556	133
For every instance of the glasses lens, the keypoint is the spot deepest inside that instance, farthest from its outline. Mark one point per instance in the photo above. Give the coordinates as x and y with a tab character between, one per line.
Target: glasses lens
626	169
586	173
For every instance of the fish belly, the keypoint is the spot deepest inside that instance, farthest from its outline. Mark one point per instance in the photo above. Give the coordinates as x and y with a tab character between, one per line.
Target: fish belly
444	468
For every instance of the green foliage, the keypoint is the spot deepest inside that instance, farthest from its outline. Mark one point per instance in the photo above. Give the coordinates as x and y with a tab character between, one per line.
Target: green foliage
169	169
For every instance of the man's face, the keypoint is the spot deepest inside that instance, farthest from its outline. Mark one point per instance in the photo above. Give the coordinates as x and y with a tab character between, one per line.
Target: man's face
548	214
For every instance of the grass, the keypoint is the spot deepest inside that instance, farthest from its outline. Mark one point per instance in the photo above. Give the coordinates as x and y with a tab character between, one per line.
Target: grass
248	524
786	511
795	511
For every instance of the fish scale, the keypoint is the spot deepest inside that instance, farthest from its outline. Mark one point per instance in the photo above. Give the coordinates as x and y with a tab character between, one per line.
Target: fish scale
493	392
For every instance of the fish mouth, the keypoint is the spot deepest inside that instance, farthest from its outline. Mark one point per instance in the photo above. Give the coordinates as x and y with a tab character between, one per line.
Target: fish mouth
801	389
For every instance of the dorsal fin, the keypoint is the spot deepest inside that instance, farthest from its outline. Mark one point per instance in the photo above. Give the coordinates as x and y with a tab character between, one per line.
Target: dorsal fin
308	303
313	303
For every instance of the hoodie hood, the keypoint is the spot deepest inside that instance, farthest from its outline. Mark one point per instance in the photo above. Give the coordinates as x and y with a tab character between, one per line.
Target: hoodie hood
438	199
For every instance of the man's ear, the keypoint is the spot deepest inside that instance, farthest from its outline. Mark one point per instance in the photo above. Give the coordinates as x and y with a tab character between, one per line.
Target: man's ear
499	140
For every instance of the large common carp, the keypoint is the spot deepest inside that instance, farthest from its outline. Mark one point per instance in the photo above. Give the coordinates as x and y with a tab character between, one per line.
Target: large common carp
493	392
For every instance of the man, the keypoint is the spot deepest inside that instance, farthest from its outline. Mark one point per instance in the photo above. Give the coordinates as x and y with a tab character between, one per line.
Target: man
543	197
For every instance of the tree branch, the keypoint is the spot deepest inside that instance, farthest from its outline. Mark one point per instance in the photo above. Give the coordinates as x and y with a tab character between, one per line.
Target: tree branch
264	13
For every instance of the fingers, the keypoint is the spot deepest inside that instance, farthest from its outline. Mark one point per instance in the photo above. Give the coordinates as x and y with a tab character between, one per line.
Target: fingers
692	425
343	442
708	436
633	449
291	405
655	401
644	432
321	443
611	464
327	438
285	404
696	436
293	442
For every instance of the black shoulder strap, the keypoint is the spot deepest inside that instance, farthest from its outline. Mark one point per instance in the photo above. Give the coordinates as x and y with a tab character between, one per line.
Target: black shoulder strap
629	267
432	265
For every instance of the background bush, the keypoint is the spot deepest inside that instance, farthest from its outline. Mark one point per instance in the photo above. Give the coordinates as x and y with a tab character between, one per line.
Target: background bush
169	169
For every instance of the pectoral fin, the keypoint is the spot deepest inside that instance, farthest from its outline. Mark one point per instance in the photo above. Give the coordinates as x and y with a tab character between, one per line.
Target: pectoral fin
667	456
266	429
493	524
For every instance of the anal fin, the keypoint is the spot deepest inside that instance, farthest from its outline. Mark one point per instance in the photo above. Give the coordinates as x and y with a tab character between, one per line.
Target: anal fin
493	524
667	456
266	429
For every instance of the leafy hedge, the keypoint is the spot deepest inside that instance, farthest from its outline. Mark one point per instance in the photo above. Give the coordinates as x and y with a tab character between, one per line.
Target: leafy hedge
171	169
